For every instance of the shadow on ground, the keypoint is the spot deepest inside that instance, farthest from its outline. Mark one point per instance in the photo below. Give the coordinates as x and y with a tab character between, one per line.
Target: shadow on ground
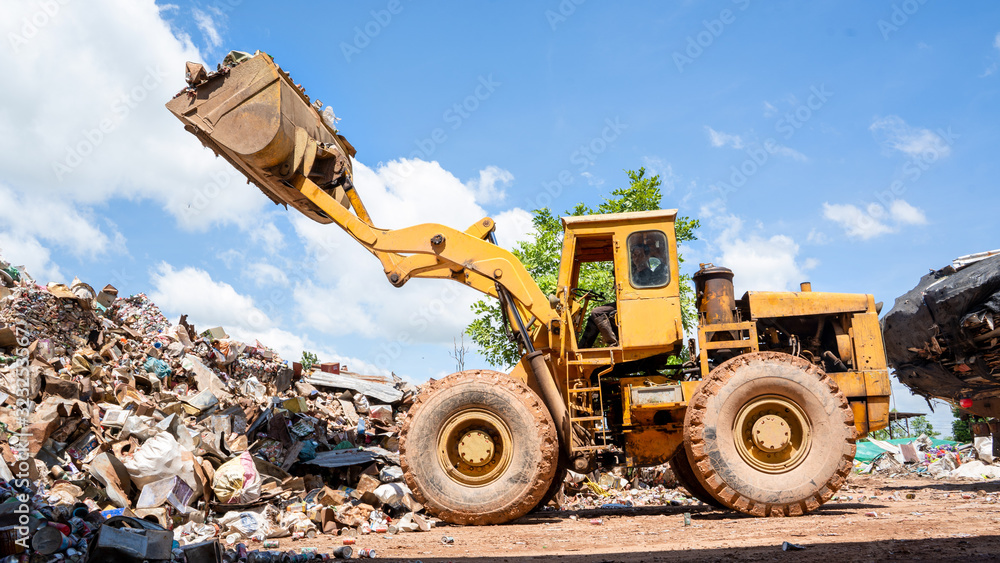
697	512
982	548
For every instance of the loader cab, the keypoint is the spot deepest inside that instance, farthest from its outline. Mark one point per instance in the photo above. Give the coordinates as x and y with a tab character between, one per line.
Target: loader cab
637	252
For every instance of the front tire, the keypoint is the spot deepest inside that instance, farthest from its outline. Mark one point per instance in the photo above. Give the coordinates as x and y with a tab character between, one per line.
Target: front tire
478	447
770	434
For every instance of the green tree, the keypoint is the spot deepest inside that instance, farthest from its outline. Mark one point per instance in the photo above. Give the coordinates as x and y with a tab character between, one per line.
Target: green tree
541	256
308	360
917	425
961	427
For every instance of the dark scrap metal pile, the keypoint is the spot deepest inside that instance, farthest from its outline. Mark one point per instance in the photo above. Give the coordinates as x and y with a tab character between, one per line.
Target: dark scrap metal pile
943	336
118	426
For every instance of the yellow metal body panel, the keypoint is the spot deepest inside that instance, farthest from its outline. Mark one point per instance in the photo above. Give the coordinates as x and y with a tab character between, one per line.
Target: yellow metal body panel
775	304
648	322
705	342
651	446
878	413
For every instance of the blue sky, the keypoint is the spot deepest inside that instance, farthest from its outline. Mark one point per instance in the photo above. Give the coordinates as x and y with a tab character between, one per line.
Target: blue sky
851	144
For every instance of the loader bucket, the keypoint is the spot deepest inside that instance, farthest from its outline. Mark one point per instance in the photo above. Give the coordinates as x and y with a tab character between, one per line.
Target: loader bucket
251	113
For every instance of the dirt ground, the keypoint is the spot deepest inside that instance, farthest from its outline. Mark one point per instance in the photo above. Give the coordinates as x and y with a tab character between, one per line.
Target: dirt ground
871	520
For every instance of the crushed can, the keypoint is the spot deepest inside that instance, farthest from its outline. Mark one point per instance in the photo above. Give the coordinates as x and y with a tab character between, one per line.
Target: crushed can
447	540
367	554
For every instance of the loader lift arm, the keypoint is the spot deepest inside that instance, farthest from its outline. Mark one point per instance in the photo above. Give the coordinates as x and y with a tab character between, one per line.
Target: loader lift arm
436	251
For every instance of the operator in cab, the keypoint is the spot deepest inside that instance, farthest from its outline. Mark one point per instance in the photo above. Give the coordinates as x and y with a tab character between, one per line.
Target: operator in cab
649	269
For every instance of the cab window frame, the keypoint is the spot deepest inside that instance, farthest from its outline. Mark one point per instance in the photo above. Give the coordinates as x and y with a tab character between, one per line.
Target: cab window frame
653	244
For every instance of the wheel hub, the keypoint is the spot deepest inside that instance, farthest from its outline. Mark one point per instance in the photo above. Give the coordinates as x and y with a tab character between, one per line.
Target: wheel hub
476	448
770	433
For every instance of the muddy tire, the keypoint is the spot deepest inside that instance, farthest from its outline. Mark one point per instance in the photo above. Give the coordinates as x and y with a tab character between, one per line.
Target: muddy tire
478	447
685	476
555	486
770	434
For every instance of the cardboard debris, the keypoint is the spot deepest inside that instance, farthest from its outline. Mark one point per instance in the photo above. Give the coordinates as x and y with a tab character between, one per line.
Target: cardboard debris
133	416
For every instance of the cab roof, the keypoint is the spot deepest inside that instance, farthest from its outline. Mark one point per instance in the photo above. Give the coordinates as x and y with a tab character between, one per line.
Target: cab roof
657	215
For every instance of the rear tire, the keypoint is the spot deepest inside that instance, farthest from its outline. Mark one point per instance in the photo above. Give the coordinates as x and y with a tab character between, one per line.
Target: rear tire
686	477
478	447
770	434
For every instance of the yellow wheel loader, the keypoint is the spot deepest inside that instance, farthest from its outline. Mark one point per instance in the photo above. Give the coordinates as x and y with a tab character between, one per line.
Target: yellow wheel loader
760	415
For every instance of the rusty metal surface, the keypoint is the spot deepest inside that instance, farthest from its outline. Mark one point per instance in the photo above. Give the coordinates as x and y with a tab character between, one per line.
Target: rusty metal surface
775	304
253	115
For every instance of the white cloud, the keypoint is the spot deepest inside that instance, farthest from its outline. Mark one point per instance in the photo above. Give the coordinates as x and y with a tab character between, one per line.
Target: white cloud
857	223
906	214
209	302
264	274
30	253
348	293
789	152
193	291
817	237
760	262
656	166
207	26
769	110
32	224
489	187
874	220
894	133
720	139
96	130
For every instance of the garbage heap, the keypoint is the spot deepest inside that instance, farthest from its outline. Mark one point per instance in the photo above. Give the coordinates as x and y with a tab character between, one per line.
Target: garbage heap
621	487
922	457
108	410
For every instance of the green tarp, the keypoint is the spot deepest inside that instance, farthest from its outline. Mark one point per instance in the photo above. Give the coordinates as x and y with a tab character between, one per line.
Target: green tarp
867	450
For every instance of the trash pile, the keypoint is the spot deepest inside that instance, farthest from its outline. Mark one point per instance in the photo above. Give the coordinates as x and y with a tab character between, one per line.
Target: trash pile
111	416
937	459
624	488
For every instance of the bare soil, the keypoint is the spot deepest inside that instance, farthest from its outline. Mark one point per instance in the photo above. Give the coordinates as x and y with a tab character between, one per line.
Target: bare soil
871	520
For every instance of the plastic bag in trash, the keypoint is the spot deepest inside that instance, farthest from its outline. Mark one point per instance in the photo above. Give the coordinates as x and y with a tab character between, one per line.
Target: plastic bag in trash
237	480
308	451
159	367
246	524
158	458
391	493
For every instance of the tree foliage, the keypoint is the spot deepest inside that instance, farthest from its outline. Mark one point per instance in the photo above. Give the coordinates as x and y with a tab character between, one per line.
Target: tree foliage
961	425
308	360
917	425
541	256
